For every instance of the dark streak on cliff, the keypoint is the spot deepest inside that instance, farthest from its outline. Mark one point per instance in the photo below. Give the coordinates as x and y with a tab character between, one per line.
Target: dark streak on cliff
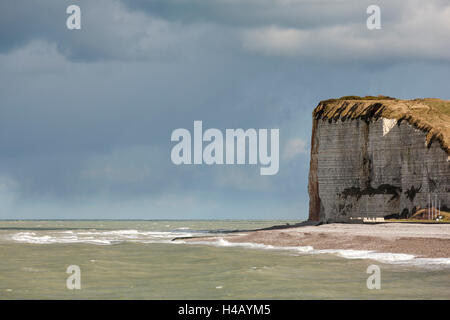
370	191
411	193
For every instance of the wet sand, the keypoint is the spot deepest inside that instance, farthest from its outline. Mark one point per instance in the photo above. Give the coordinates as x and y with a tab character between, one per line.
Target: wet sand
422	240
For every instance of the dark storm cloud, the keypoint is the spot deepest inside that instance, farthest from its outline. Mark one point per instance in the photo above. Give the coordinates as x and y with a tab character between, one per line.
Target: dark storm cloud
244	13
162	30
109	30
301	14
20	23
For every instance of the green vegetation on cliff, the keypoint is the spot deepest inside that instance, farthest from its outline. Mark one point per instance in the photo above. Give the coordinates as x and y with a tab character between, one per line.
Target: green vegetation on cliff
429	115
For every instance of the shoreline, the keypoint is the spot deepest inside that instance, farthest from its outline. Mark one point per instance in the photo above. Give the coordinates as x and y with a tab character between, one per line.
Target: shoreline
420	240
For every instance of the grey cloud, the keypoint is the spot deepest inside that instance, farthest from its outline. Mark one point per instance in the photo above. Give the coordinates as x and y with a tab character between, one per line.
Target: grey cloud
420	32
22	21
109	31
86	118
169	30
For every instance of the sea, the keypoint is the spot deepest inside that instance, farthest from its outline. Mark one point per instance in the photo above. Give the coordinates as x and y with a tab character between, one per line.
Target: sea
114	259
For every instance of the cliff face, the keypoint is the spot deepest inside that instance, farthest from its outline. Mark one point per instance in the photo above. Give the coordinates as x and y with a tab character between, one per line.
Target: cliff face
378	158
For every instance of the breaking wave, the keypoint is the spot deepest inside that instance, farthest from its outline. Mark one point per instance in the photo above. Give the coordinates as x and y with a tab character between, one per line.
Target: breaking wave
101	237
383	257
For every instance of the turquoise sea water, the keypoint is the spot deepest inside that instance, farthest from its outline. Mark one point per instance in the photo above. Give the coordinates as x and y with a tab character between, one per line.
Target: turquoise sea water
138	260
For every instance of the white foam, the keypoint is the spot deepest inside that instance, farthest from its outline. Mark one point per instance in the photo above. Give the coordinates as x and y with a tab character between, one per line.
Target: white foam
390	258
366	254
383	257
99	237
31	237
220	242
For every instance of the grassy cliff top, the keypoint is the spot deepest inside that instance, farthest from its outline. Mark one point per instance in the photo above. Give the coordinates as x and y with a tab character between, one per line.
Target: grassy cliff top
429	115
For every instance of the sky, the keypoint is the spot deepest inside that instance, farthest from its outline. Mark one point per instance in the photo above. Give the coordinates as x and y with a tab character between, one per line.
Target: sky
86	115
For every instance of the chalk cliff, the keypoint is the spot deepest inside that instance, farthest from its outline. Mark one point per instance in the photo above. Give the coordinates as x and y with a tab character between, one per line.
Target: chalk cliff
378	157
